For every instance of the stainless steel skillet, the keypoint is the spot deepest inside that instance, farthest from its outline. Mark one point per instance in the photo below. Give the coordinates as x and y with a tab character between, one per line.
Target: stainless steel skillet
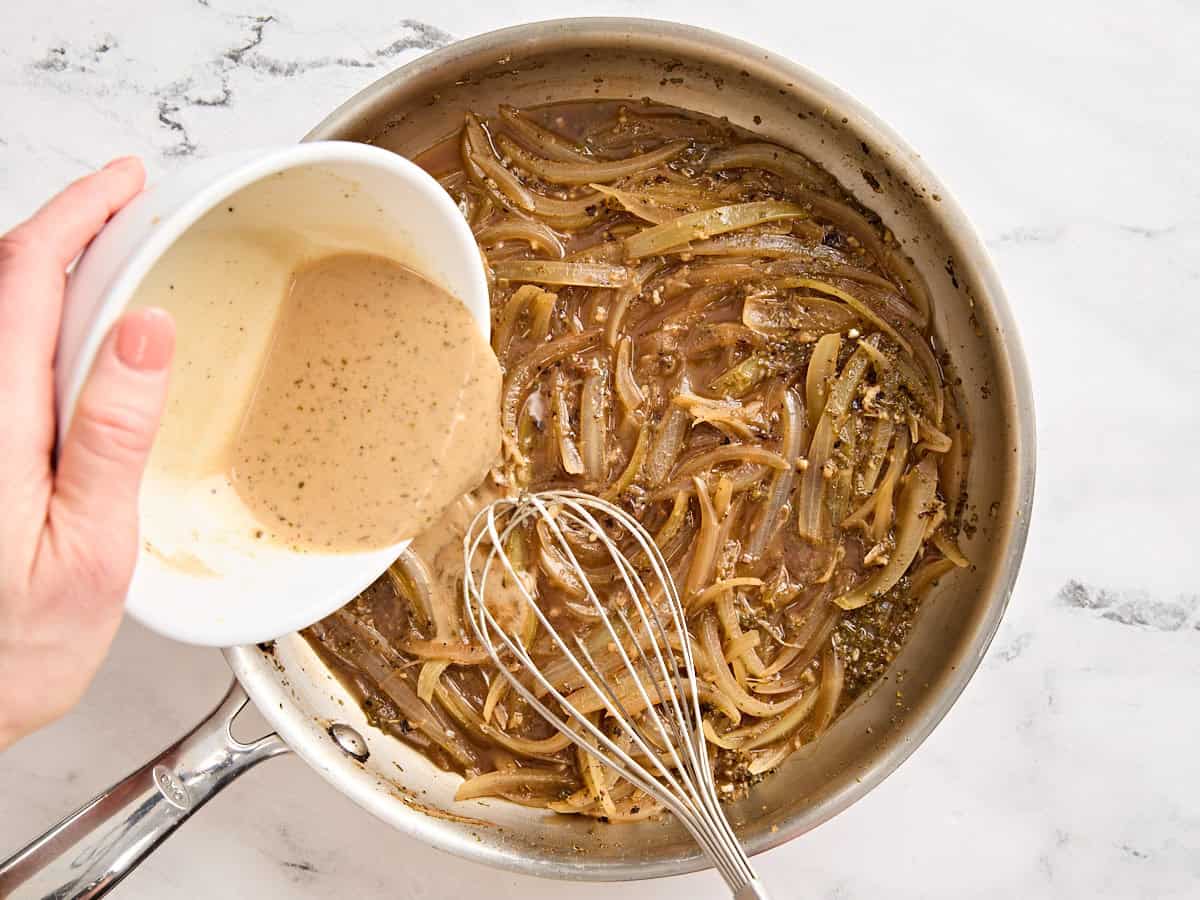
409	110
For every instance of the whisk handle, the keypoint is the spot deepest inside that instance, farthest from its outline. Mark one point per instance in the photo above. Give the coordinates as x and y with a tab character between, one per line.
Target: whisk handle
752	890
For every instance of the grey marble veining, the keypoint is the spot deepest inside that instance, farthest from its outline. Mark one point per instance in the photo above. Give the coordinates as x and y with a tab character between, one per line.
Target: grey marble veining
1069	132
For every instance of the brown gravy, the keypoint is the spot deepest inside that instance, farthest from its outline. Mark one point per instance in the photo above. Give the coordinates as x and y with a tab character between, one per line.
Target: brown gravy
377	405
804	338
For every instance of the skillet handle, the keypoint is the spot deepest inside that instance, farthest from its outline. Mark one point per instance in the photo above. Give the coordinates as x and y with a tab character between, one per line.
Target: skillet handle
92	849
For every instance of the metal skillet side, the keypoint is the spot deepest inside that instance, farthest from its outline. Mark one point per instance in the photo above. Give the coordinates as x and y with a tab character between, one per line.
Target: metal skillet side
407	111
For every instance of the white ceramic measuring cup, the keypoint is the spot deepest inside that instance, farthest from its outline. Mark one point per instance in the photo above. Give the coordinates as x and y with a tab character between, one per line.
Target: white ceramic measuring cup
256	591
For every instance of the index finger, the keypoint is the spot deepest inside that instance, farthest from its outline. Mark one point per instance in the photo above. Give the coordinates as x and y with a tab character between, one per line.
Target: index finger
33	261
65	224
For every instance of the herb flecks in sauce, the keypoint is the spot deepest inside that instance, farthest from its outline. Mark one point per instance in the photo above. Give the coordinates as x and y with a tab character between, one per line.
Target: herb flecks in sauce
376	407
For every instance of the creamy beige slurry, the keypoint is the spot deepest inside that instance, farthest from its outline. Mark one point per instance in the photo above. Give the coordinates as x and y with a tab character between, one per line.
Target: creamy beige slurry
377	406
321	398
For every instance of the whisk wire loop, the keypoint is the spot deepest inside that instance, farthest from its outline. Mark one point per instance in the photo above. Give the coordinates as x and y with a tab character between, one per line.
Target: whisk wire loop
659	722
630	768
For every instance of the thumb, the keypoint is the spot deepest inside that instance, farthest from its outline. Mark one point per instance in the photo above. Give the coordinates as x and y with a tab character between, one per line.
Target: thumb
105	449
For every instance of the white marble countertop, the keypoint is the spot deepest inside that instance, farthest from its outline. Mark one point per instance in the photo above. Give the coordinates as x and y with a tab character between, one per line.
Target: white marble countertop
1069	132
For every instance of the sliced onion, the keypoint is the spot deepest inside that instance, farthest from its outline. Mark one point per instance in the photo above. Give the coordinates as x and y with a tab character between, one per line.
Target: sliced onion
543	140
727	453
595	778
763	733
496	691
863	277
742	658
772	158
605	251
559	571
625	690
742	644
453	649
822	368
891	259
949	548
770	758
450	696
577	212
843	485
880	360
681	310
929	574
714	591
740	379
730	415
855	303
781	485
634	466
593	423
547	782
881	519
915	500
368	655
585	172
625	296
541	312
921	380
810	504
724	679
414	582
674	521
808	640
668	441
707	223
432	724
833	681
740	479
430	594
523	374
934	440
723	273
717	739
431	671
537	234
633	810
506	324
722	704
541	271
812	315
627	387
643	206
704	550
842	392
881	438
889	304
770	246
722	335
479	151
572	462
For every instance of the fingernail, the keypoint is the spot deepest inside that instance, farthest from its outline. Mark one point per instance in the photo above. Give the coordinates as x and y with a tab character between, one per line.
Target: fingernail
121	161
146	340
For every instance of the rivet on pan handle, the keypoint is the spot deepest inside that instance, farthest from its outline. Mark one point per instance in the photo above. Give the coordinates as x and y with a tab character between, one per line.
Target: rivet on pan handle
92	849
349	741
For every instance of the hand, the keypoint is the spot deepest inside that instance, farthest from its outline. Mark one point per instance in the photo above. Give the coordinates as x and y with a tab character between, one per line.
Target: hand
68	536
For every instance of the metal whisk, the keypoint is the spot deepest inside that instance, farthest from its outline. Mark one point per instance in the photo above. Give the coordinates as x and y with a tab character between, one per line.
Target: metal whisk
646	628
